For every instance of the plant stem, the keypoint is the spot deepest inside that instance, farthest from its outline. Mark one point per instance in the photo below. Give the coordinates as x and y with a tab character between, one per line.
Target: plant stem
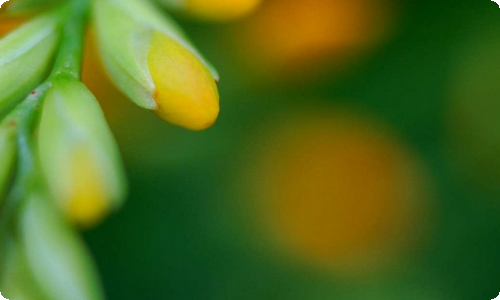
27	177
70	56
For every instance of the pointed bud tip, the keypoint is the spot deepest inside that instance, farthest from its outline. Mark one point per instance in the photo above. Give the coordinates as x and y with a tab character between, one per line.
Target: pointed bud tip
186	93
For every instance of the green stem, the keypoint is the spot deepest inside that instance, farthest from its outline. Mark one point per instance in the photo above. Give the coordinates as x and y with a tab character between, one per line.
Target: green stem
70	56
23	117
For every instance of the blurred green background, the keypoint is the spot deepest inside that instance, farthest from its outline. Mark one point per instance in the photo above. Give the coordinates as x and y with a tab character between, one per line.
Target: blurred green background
355	158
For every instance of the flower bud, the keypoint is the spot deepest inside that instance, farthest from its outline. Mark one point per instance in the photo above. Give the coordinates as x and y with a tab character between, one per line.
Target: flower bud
26	56
57	259
153	63
79	157
214	10
7	155
17	281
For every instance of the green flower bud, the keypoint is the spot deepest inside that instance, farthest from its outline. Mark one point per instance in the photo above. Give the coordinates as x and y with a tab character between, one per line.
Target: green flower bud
26	55
58	260
7	155
151	61
17	280
78	154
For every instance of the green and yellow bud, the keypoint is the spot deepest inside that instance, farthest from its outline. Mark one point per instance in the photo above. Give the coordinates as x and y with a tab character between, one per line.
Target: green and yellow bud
7	155
56	258
153	63
214	10
26	56
78	154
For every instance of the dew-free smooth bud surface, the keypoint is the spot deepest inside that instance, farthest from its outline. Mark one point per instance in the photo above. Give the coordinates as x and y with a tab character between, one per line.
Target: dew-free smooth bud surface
17	281
57	258
186	93
79	156
26	55
150	59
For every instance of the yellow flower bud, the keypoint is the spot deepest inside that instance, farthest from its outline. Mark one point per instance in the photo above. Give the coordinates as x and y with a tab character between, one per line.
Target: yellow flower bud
186	93
152	62
79	157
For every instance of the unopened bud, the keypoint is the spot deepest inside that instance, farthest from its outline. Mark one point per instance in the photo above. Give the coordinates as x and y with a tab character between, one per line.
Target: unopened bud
150	60
26	56
78	153
57	259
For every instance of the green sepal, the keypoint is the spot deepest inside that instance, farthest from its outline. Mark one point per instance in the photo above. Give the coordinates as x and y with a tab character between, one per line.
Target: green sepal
26	56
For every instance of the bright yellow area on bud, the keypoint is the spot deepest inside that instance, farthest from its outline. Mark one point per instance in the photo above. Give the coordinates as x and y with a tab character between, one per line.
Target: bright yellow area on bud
221	10
88	203
186	93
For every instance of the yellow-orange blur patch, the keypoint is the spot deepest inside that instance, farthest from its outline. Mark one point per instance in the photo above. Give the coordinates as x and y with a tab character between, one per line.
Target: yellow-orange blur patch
339	192
287	37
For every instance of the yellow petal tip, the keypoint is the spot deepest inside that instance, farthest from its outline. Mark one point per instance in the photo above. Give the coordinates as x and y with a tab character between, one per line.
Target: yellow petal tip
186	93
88	201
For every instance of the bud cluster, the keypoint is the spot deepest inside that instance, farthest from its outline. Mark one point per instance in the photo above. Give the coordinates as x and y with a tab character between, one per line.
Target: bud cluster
60	167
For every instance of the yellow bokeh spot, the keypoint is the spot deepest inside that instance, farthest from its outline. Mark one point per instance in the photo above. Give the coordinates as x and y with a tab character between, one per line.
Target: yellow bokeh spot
186	93
290	37
337	191
221	10
88	203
